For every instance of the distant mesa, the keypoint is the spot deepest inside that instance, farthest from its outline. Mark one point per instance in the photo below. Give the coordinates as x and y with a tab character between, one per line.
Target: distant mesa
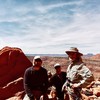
57	55
88	55
95	57
49	55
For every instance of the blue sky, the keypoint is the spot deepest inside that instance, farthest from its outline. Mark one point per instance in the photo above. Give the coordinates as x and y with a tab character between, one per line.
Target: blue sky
50	26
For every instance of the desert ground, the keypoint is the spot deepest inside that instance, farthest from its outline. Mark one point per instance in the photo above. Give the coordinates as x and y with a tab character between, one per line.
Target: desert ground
13	63
93	63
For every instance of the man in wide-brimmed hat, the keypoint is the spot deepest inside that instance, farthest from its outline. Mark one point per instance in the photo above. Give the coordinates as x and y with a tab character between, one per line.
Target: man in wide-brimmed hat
78	75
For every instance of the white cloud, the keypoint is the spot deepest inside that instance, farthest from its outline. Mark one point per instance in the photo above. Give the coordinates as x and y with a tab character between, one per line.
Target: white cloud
46	32
45	9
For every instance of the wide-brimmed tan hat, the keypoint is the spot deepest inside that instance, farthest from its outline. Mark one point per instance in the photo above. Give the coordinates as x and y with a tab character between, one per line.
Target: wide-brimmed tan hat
73	49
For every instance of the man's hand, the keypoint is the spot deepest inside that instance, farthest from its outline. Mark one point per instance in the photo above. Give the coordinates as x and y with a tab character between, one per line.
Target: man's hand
64	88
75	85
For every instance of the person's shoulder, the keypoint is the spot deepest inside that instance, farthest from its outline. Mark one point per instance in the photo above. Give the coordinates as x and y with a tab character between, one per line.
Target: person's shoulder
44	69
29	69
81	65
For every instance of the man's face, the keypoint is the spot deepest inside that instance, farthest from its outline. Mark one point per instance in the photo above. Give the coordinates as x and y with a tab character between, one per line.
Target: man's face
58	69
72	56
38	62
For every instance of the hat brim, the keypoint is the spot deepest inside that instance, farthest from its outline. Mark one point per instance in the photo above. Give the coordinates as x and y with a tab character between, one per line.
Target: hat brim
57	67
68	52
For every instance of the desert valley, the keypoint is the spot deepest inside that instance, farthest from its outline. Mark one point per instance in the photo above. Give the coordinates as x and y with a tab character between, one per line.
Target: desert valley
13	63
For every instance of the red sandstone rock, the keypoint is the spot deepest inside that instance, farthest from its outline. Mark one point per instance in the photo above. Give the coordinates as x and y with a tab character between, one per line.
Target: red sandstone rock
13	64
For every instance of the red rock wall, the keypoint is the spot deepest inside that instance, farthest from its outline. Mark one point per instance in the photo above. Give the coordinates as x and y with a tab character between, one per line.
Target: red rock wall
13	64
